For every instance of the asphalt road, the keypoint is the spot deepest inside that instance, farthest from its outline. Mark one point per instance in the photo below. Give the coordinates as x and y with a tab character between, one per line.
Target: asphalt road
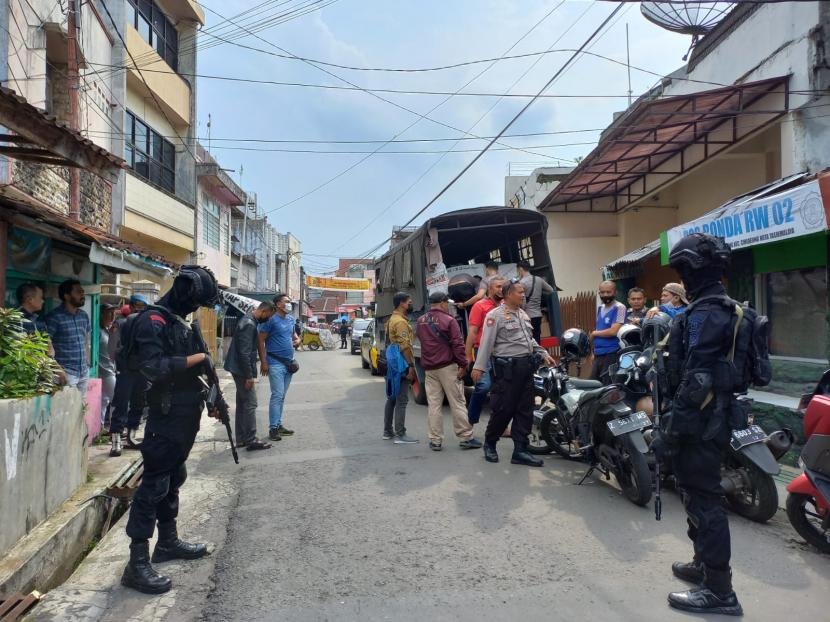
336	524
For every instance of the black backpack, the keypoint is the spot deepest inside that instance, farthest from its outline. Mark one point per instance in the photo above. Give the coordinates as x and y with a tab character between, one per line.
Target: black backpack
126	359
749	353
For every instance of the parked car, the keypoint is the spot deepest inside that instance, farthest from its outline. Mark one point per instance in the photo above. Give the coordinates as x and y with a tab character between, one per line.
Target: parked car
358	326
371	357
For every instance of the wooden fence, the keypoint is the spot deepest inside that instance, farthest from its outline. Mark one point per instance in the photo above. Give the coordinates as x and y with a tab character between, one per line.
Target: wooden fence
578	311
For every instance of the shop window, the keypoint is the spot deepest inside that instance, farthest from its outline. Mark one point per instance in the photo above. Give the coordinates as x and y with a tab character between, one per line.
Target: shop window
149	153
796	303
154	27
210	223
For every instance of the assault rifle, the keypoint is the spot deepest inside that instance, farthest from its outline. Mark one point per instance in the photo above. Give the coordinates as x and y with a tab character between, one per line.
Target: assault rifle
659	377
215	401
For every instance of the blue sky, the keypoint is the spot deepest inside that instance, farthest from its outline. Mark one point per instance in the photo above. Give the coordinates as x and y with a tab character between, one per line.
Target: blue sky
392	33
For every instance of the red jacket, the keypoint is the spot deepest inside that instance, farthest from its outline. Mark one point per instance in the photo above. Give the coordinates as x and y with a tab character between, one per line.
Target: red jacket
444	348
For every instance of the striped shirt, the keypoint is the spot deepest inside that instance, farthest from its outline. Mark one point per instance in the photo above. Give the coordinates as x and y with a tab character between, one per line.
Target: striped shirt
70	335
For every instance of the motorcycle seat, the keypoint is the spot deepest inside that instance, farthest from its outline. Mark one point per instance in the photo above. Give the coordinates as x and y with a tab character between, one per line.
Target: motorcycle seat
594	394
585	385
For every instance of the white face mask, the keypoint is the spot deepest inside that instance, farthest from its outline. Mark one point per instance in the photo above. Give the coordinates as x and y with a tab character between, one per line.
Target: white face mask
288	307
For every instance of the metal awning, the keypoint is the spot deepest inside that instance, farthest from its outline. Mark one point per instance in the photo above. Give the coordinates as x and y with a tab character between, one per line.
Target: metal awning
40	137
105	248
631	264
660	139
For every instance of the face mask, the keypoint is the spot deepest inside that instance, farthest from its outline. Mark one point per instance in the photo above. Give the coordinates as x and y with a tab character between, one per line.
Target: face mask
607	299
288	307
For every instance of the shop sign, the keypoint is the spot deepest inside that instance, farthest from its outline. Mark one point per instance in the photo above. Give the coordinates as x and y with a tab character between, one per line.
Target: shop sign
338	284
792	213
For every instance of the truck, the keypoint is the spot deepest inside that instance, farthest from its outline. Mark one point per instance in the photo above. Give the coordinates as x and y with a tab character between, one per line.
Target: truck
461	242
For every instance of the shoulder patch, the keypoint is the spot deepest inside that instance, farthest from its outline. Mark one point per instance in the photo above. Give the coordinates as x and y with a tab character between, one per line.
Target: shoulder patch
490	321
155	317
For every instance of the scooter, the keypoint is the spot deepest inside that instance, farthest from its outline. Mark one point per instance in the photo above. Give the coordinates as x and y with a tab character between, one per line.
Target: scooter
808	499
749	462
583	420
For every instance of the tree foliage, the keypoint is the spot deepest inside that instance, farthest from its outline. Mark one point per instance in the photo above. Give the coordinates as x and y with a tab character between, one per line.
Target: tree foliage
26	369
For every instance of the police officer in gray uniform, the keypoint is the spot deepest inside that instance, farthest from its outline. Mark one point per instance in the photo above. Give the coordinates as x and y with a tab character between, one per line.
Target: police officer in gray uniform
508	343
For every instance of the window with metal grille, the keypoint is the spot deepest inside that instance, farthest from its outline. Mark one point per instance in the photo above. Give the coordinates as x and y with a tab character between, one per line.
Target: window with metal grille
495	255
154	27
526	250
210	222
149	154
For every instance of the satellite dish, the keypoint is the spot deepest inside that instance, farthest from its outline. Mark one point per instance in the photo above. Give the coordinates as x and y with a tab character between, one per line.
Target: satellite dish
687	18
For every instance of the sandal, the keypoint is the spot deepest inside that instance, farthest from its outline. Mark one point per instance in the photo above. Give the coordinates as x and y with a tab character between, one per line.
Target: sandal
257	444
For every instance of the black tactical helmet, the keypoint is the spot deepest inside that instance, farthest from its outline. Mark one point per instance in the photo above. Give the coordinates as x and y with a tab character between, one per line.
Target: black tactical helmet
575	343
654	329
197	285
699	250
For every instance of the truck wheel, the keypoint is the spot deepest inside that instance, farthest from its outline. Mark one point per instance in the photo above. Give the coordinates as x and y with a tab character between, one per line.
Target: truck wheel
418	385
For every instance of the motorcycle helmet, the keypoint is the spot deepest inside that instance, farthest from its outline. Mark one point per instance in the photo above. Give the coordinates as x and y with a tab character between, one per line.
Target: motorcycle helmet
655	329
575	343
629	335
699	250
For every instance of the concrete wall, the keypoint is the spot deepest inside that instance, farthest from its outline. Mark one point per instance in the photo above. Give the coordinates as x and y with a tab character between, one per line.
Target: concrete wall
579	245
43	448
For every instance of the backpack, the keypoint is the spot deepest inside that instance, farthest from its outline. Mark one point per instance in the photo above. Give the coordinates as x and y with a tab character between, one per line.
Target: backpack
750	348
124	358
749	354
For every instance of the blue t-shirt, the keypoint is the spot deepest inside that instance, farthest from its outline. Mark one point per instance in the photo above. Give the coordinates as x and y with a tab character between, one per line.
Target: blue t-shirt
606	319
672	310
280	331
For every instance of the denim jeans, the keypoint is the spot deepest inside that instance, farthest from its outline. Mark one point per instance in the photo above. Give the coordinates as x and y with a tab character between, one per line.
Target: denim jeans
476	404
79	382
107	391
279	378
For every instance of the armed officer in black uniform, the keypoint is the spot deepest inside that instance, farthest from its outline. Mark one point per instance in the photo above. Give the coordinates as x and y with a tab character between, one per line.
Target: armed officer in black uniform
698	429
167	354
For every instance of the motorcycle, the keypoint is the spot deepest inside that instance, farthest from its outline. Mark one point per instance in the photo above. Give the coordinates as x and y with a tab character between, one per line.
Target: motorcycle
584	420
749	462
808	498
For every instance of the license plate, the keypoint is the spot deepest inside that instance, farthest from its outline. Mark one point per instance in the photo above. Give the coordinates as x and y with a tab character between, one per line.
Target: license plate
742	438
624	425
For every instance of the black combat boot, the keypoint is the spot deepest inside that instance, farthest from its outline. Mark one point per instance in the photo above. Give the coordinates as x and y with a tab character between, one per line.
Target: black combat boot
140	575
522	456
715	595
170	547
691	572
490	453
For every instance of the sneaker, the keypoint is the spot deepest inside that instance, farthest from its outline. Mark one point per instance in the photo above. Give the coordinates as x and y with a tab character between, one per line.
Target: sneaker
403	439
274	434
470	443
434	446
388	436
285	431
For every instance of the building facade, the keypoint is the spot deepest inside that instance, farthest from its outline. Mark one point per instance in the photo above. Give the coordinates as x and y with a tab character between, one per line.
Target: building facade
218	201
743	118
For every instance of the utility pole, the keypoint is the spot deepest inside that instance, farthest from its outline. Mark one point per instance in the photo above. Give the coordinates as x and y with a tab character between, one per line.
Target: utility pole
628	63
73	81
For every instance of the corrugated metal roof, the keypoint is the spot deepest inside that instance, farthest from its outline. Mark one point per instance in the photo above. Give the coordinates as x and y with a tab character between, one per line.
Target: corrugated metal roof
630	263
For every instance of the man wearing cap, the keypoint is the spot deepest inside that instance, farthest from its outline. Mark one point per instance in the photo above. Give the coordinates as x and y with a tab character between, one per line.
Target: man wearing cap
130	386
673	301
444	363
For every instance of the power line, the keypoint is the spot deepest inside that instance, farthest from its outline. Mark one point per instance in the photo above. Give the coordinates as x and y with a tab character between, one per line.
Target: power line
452	147
515	118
